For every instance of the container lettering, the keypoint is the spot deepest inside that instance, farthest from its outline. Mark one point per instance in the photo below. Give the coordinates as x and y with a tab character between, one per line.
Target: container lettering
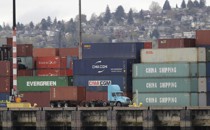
151	100
168	85
151	85
168	100
41	83
99	82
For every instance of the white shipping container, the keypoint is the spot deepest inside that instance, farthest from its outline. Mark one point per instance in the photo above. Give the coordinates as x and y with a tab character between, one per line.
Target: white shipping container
202	85
173	55
202	97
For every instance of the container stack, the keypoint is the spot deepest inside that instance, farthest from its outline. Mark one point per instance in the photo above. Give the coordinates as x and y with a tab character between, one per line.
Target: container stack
171	77
203	40
104	64
51	70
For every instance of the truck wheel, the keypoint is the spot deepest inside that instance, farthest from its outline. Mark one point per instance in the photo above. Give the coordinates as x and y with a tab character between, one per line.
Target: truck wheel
66	105
104	104
52	105
118	104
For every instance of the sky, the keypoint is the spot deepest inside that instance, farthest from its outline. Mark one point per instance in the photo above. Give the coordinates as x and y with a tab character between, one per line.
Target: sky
35	10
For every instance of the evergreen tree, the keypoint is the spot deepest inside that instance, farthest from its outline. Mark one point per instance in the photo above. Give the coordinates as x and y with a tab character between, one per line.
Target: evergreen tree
202	3
183	5
1	28
166	5
130	17
20	26
119	14
55	22
196	4
107	15
155	34
177	6
190	4
141	14
44	24
31	25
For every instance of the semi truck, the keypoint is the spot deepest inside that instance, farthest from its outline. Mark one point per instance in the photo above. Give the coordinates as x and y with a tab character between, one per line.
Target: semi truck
72	96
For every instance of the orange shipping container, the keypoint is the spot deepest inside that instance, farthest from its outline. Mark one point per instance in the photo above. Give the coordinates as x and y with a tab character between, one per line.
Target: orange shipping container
93	96
25	72
148	45
176	43
74	52
51	62
24	50
68	93
45	52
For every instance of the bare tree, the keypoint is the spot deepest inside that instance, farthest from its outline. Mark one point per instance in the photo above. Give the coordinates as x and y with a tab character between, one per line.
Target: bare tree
155	7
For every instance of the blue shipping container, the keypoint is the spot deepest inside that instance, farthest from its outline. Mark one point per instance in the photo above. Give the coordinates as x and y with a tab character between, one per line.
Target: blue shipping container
100	83
4	96
102	66
112	50
208	69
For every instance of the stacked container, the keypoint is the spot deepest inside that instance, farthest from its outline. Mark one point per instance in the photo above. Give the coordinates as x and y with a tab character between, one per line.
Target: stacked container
203	40
104	64
171	77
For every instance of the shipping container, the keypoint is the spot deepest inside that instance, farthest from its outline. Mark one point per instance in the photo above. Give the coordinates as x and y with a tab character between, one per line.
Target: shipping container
51	72
202	37
69	52
207	69
6	52
25	62
176	43
173	55
208	54
109	66
112	50
5	68
169	70
148	45
166	85
40	83
45	52
202	85
202	99
9	41
208	83
4	96
70	61
42	99
24	50
5	84
25	72
93	96
68	93
100	83
167	99
51	62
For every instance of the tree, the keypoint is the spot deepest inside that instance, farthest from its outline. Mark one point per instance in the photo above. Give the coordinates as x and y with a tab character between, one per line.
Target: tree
1	28
190	4
202	3
196	4
20	26
31	25
107	15
166	5
130	17
155	7
183	5
141	14
119	14
44	24
155	34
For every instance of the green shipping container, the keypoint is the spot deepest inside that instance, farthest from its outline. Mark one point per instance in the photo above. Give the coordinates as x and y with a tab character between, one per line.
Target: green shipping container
169	70
166	85
166	99
40	83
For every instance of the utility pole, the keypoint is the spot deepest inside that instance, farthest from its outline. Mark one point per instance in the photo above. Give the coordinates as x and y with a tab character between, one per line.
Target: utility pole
14	53
80	31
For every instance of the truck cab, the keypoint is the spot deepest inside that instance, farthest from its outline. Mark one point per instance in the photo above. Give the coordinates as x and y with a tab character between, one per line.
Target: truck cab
116	96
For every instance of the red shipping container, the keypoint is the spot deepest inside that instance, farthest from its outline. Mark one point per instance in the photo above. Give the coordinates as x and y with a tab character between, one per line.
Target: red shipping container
93	95
5	68
69	72
42	99
69	52
45	52
51	62
68	93
176	43
24	50
5	84
202	37
9	41
148	45
25	72
51	72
